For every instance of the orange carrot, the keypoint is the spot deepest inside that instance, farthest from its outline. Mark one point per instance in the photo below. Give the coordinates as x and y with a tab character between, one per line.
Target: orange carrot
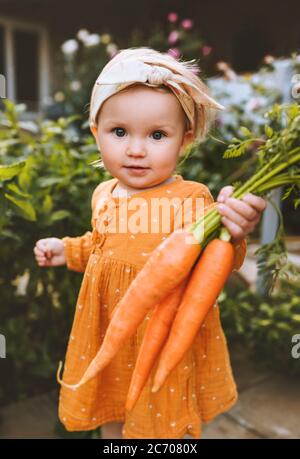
166	267
154	338
205	284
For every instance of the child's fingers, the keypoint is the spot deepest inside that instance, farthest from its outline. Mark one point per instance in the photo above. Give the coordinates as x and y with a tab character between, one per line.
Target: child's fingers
42	246
225	192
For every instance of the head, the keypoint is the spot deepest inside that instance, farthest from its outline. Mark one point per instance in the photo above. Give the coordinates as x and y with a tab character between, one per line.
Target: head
141	126
147	120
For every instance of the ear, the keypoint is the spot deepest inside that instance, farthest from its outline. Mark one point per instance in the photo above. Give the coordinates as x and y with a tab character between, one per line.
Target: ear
94	131
187	139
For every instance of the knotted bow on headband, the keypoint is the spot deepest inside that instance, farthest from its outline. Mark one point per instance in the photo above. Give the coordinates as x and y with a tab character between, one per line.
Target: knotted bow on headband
117	76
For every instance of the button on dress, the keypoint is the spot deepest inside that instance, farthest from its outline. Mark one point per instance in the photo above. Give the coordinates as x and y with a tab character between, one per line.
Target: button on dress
199	388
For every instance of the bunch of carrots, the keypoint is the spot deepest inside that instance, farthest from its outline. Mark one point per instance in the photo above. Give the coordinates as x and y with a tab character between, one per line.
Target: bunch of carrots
185	274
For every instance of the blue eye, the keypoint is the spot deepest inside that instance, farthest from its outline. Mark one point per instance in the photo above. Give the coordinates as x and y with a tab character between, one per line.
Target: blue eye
117	130
159	133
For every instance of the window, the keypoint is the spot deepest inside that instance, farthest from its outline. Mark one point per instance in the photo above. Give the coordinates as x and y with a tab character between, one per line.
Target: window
26	68
1	50
24	61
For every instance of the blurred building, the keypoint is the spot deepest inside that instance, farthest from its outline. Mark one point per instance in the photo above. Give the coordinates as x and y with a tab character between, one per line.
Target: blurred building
32	31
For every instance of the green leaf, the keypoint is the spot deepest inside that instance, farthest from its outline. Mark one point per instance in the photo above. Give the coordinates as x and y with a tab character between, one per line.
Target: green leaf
26	208
268	131
245	131
47	204
14	187
7	172
59	215
45	182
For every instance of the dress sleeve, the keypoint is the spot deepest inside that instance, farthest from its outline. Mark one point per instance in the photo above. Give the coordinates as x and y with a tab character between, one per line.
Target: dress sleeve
202	191
78	249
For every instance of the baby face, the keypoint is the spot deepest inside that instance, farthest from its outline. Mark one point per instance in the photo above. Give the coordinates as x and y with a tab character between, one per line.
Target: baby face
143	127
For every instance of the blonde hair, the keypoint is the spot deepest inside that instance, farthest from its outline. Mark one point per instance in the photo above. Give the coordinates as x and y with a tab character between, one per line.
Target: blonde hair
204	115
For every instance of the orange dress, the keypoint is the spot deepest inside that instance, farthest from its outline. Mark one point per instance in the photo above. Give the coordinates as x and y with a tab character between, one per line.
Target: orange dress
198	389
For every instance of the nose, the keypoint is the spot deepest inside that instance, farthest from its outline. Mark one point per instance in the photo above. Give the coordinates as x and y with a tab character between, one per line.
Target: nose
136	148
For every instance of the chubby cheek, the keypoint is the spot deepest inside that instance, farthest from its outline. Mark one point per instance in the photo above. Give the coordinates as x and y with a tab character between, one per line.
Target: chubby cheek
112	154
165	162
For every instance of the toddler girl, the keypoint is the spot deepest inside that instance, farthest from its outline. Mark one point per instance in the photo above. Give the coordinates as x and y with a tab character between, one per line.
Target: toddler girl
145	108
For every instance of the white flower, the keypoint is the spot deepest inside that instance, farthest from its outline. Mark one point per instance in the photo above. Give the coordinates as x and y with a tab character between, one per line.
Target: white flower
111	49
92	40
75	85
69	47
59	96
82	34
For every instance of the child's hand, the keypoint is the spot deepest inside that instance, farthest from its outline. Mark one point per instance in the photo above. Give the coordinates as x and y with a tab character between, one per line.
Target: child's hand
240	216
50	252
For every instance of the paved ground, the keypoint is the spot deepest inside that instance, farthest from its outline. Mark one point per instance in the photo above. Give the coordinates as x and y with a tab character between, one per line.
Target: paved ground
268	407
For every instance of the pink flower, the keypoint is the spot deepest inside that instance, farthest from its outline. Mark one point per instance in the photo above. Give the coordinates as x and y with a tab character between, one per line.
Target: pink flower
253	104
174	52
173	37
206	50
268	59
172	17
187	24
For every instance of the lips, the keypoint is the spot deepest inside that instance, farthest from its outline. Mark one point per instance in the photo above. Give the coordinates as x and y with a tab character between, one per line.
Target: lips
136	167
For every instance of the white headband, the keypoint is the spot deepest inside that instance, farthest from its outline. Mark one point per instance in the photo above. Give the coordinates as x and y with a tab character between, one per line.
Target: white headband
118	75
